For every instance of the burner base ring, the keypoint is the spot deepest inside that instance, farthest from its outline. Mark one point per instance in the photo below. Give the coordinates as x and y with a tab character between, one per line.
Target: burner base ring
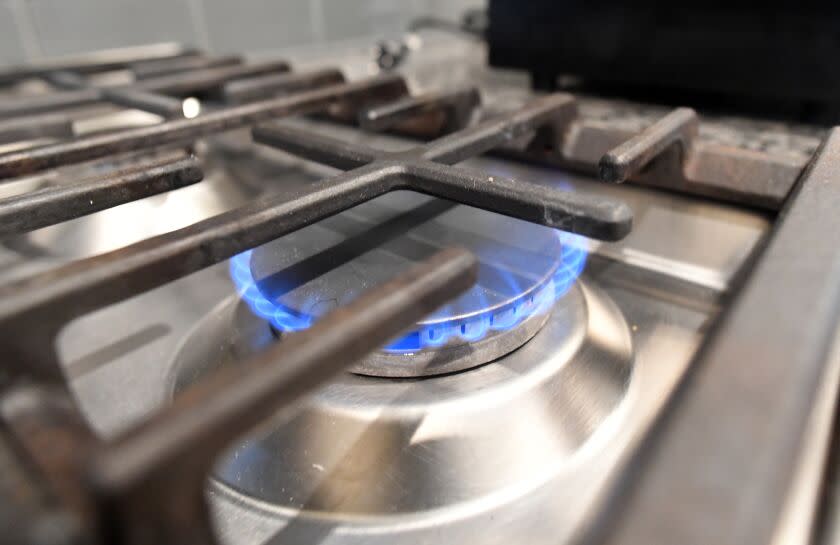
451	358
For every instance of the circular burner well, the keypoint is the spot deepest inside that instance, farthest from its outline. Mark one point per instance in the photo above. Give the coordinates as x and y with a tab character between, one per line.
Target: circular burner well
377	447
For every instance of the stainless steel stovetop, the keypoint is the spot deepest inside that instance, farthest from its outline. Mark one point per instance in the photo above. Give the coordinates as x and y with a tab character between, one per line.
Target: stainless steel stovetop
520	440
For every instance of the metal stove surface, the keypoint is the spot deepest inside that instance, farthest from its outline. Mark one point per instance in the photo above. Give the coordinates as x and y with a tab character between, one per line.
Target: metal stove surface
519	449
588	406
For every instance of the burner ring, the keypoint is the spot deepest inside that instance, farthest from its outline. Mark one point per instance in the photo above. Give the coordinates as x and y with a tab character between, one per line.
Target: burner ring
524	268
457	356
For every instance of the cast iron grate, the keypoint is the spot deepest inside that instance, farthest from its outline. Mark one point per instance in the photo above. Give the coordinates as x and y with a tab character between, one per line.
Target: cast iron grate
147	484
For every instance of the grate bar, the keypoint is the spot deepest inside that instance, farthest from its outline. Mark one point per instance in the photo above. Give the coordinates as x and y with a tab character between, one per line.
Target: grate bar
164	67
48	103
53	205
542	112
162	105
155	103
261	87
316	147
450	149
588	215
458	108
184	130
64	79
195	81
102	61
678	128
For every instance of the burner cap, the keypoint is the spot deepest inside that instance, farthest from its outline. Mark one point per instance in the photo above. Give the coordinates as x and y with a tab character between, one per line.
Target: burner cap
523	269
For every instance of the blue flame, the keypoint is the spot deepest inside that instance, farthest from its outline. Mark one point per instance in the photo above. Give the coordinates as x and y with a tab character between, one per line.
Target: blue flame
472	328
280	318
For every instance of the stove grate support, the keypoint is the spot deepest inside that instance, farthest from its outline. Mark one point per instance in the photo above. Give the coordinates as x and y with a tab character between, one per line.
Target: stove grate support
52	205
101	61
38	307
148	94
357	94
667	154
457	109
245	90
173	65
150	480
148	484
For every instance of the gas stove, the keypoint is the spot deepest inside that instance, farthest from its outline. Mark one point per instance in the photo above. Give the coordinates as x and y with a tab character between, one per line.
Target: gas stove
310	300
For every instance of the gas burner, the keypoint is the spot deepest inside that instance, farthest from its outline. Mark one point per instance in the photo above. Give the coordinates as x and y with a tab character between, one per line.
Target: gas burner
524	268
377	447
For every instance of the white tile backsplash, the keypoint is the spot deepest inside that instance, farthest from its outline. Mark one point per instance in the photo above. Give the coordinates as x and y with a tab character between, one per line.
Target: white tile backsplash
249	25
42	28
12	49
74	26
345	19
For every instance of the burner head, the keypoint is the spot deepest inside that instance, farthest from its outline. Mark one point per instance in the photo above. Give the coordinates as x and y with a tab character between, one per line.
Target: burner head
523	269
